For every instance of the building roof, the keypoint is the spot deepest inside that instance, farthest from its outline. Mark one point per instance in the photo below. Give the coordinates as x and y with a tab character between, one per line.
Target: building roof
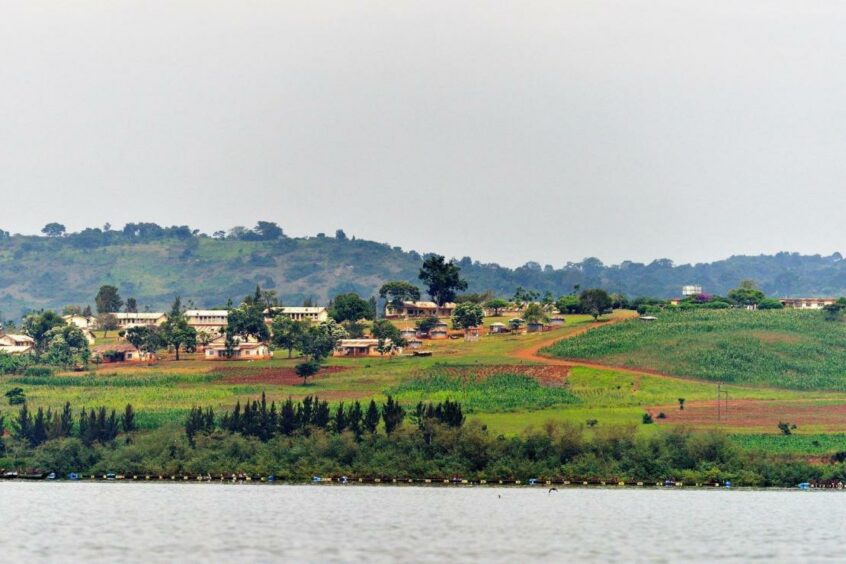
120	347
17	337
303	309
142	315
357	343
207	313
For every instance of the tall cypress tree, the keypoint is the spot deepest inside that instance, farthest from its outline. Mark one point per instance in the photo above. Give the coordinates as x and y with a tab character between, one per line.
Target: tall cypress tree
39	429
340	422
371	418
354	415
288	422
392	415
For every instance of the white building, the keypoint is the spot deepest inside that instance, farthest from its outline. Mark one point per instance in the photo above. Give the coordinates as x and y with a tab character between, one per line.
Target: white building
127	320
691	290
313	314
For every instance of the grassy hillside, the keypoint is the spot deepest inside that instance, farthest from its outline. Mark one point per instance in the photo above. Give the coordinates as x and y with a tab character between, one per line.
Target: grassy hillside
154	264
787	349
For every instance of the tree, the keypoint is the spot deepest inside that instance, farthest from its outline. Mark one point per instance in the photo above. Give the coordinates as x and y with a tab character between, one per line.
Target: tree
389	337
127	421
534	314
371	417
108	300
175	331
306	369
770	303
351	307
268	231
287	333
247	320
53	230
396	292
144	338
38	326
497	305
467	315
340	235
681	404
426	324
66	346
524	296
747	294
442	279
319	341
131	306
595	301
107	322
392	415
568	304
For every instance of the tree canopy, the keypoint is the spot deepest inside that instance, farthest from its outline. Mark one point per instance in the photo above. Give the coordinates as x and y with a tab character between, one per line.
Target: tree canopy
442	279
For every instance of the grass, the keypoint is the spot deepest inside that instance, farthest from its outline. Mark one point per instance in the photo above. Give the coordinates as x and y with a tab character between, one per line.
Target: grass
496	387
500	392
787	349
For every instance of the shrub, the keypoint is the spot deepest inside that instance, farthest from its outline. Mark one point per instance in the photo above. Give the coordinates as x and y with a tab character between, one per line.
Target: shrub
647	419
38	372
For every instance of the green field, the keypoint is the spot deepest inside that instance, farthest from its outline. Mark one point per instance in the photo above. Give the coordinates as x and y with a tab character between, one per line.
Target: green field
787	349
510	395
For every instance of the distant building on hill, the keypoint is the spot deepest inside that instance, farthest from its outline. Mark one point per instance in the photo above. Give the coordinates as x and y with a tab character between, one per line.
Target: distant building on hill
144	319
209	321
242	349
691	290
120	353
313	314
419	309
806	303
79	321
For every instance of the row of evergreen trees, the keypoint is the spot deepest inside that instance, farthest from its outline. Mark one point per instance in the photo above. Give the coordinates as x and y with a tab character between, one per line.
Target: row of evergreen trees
257	419
95	425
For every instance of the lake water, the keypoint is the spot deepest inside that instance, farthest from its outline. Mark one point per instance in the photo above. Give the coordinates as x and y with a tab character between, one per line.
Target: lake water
125	522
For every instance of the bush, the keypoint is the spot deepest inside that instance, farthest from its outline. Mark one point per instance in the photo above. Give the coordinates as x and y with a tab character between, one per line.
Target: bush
38	371
306	369
647	419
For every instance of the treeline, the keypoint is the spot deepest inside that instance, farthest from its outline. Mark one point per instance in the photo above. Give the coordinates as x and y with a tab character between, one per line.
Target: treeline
311	265
429	449
94	425
263	421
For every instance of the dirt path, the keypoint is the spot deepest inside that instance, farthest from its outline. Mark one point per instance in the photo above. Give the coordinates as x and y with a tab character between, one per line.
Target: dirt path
533	354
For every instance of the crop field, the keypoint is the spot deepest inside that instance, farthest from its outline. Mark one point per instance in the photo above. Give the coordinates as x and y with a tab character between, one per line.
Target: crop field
503	384
787	349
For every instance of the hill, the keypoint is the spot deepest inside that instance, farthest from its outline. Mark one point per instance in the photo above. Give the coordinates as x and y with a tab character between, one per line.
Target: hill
783	348
152	264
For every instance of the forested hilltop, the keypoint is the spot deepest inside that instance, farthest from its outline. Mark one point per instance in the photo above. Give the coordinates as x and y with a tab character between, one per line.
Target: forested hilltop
155	263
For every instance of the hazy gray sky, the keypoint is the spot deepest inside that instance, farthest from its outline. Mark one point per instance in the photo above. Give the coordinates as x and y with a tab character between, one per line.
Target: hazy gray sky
508	131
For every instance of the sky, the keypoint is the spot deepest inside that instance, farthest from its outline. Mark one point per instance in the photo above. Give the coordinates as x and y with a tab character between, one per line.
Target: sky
506	131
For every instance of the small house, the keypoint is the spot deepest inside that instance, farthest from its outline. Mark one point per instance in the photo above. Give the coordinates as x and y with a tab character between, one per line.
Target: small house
242	349
471	334
120	353
439	331
408	333
535	327
16	344
361	347
414	344
80	321
497	328
557	321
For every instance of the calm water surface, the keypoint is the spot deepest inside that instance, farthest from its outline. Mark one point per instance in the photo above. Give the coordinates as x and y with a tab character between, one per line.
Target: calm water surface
120	522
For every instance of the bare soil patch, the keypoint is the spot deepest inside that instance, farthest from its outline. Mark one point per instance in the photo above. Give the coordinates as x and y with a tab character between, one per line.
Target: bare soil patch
266	375
760	414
